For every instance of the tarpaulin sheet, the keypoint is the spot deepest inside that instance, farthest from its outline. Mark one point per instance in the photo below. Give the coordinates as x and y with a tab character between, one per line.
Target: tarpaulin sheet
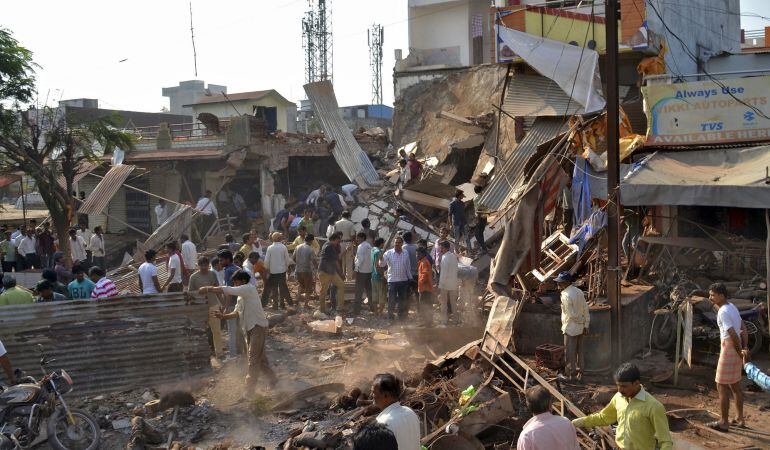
722	177
574	69
730	177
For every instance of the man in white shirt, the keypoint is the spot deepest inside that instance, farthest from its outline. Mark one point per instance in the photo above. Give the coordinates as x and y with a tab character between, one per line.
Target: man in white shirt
401	420
209	210
86	234
162	212
545	431
189	256
733	354
448	282
363	271
26	249
97	248
248	308
277	262
575	319
399	274
206	205
175	268
77	248
348	230
148	274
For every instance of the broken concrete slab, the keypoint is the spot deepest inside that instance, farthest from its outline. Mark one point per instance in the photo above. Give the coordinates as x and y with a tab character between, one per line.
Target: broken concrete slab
487	415
424	199
325	326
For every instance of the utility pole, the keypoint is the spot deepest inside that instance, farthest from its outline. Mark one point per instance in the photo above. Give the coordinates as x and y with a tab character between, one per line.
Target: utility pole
375	40
613	181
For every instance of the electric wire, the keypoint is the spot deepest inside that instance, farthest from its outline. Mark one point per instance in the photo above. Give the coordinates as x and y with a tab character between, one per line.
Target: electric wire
689	52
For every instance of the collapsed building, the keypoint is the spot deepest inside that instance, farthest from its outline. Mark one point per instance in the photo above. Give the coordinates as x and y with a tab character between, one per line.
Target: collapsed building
535	145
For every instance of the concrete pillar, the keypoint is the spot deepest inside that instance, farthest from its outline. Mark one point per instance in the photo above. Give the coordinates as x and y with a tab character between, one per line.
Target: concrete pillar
267	189
163	140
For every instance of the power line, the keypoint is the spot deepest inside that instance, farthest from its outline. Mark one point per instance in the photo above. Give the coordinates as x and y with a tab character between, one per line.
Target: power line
716	81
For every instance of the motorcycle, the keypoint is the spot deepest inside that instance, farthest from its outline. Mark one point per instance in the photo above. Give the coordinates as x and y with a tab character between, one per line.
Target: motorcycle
29	405
705	329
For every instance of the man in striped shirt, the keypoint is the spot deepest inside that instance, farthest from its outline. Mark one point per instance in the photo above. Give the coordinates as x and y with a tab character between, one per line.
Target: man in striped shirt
104	287
399	275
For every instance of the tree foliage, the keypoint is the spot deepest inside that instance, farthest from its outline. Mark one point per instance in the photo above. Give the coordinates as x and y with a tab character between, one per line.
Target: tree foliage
43	142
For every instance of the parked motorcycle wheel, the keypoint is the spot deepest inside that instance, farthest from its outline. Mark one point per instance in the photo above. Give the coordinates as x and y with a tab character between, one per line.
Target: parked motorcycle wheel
756	340
664	331
84	434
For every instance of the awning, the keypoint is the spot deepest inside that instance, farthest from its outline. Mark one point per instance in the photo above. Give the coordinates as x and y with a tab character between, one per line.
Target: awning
199	153
8	179
83	169
724	177
106	189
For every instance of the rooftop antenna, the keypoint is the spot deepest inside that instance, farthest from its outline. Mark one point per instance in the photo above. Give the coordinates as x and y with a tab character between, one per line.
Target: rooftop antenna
317	41
375	38
192	36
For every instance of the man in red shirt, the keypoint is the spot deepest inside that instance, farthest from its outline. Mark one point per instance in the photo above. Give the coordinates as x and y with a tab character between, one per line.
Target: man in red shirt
415	168
425	286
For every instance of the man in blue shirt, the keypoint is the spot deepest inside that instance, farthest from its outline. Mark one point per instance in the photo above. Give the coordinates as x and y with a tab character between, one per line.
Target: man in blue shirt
234	335
81	287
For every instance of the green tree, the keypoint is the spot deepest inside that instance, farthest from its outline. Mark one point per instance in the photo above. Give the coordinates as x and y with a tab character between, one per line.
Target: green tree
46	145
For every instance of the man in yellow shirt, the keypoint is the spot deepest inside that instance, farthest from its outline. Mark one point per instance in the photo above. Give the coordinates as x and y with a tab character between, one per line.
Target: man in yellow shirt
14	295
641	419
300	239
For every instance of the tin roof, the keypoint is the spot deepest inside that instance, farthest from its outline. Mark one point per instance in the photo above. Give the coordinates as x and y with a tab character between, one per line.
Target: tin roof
351	159
536	96
509	174
111	344
106	189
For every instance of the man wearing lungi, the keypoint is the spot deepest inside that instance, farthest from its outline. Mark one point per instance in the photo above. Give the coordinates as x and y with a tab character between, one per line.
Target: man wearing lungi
733	354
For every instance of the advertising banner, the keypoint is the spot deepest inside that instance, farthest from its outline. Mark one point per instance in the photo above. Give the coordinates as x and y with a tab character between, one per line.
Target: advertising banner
706	112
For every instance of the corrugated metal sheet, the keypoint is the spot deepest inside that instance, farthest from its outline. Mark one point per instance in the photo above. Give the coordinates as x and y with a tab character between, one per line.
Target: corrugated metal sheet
352	160
87	185
509	174
118	209
107	187
83	169
536	96
179	222
113	344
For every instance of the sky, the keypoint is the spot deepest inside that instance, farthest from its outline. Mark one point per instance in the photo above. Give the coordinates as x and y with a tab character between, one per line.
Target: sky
246	45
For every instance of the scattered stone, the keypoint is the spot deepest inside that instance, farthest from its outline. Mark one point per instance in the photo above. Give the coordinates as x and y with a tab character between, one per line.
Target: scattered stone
121	424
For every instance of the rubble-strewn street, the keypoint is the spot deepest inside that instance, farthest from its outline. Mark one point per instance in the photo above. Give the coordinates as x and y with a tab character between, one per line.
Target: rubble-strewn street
511	224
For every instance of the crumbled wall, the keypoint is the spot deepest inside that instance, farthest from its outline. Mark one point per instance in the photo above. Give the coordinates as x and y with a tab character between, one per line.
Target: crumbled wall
467	92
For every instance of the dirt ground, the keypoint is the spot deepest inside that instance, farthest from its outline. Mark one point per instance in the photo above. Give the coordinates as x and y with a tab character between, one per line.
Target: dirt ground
367	345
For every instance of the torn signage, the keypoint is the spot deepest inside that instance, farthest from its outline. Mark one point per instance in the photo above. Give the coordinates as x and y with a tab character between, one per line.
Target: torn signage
704	112
574	69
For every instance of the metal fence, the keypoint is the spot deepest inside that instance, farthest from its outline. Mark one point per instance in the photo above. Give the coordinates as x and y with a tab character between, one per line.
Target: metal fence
113	344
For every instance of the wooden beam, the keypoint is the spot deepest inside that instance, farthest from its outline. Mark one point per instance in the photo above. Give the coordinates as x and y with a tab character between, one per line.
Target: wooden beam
461	122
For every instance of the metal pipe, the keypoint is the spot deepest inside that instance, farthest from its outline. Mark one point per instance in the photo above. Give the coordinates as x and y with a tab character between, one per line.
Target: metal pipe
613	181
